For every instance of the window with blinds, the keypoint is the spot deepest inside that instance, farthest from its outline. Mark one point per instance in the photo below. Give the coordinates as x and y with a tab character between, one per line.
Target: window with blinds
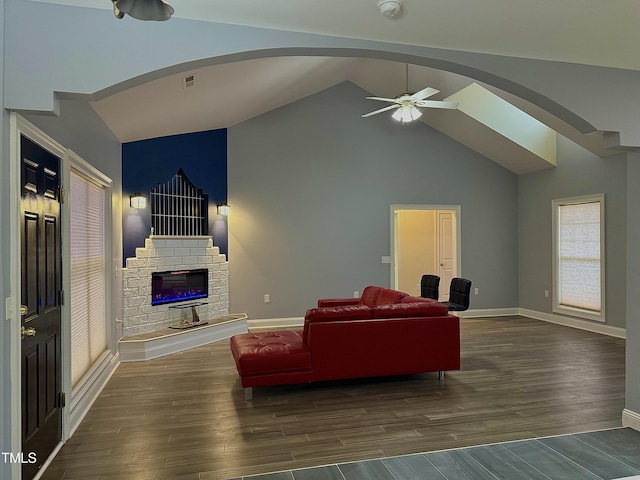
87	296
579	257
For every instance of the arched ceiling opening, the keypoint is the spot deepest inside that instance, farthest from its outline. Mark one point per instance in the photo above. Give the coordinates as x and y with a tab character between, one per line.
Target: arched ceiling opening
199	97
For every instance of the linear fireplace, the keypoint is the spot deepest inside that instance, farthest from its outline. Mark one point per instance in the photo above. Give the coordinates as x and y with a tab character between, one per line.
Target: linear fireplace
179	286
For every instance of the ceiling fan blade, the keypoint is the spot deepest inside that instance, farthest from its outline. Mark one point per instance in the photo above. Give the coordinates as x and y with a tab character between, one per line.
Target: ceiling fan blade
383	99
437	104
390	107
424	93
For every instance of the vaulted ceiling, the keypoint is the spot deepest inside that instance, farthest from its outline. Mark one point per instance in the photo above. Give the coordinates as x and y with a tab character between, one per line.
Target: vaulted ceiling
579	31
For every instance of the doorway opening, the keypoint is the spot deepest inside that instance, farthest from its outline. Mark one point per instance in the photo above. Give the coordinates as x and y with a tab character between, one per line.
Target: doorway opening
425	239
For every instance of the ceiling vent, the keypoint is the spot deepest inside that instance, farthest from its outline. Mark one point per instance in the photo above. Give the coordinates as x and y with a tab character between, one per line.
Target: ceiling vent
188	81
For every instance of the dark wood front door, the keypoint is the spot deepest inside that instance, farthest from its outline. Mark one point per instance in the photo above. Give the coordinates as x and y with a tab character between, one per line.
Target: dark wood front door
41	320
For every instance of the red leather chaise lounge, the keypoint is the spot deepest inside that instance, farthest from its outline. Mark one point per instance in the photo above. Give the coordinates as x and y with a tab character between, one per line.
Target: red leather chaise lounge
384	332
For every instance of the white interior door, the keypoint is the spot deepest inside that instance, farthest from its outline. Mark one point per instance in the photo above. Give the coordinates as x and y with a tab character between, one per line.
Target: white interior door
446	251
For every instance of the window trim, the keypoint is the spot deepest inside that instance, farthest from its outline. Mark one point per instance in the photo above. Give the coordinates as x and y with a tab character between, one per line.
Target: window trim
564	309
84	392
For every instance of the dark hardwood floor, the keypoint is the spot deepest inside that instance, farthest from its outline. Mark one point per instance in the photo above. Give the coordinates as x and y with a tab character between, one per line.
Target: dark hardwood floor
184	416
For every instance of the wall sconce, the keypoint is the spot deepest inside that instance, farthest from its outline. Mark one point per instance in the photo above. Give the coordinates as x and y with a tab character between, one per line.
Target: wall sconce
223	209
138	200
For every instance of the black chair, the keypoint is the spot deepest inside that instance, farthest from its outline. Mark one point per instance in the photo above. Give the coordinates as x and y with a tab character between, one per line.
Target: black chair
459	295
429	285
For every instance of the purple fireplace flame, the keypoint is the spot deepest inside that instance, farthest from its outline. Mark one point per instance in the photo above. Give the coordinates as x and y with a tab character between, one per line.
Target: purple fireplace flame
178	286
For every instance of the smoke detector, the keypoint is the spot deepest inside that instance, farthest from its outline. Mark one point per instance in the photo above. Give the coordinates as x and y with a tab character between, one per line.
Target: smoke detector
390	8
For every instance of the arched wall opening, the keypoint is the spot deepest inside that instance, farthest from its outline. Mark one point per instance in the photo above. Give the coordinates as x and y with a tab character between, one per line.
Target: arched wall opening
503	83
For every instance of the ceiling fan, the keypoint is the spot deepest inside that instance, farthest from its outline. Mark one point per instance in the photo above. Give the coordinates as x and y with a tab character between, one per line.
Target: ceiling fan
407	105
143	9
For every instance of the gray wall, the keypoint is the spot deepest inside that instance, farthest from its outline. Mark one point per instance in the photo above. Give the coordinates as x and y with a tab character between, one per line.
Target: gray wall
578	173
632	384
310	187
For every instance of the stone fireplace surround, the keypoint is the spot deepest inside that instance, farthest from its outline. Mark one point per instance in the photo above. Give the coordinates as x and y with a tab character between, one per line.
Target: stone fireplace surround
162	253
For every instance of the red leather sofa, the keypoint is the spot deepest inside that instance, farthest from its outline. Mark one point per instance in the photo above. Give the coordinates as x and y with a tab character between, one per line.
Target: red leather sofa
384	332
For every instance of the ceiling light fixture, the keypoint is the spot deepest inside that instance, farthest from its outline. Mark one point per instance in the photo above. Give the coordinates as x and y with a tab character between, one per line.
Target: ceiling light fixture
390	8
143	9
406	113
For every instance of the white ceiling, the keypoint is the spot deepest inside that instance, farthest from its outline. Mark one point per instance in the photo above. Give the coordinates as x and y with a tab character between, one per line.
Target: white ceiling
581	31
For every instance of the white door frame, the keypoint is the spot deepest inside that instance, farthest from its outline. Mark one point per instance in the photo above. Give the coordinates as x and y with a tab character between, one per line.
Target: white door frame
440	246
394	207
18	126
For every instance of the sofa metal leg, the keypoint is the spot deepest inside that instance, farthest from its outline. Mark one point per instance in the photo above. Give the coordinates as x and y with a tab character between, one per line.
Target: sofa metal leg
441	375
248	393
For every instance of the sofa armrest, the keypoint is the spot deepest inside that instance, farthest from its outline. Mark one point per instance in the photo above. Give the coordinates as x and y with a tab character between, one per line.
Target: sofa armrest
337	302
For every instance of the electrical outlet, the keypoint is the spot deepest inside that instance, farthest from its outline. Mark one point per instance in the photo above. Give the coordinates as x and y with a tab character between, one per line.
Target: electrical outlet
386	259
356	294
267	298
475	291
546	293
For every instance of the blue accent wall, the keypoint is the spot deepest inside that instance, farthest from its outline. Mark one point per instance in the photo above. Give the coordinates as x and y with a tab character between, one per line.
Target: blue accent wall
147	163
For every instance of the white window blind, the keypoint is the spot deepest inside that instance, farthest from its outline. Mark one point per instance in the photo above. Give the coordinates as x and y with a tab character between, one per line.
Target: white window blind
580	265
87	296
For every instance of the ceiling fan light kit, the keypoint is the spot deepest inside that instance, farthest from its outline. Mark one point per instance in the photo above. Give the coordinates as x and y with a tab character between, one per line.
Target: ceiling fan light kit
406	114
390	8
143	9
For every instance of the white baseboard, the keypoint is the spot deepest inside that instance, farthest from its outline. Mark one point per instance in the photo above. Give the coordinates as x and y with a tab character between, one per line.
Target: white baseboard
47	462
291	323
273	324
489	312
547	317
132	350
575	323
631	419
85	395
